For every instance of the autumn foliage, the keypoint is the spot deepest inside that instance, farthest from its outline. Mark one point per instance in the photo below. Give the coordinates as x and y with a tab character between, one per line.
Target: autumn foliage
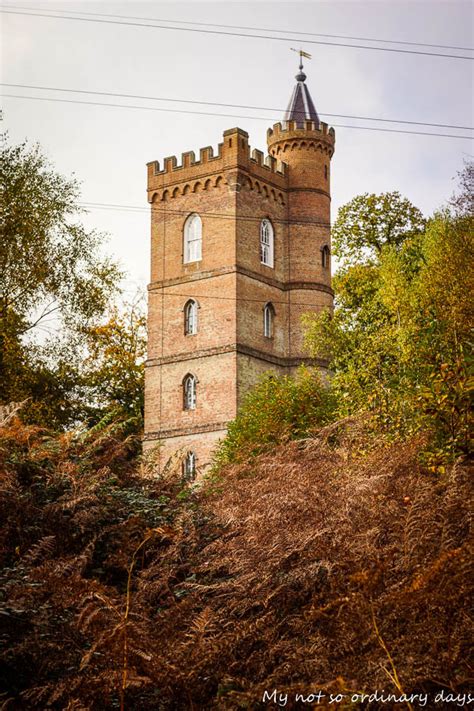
332	562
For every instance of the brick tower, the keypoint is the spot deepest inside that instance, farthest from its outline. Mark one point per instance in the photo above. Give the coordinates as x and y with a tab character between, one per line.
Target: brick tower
240	248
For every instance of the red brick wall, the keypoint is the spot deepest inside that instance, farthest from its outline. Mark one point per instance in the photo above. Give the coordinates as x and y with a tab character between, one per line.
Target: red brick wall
232	192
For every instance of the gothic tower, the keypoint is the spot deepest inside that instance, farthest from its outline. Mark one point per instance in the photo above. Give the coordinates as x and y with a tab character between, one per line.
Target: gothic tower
240	249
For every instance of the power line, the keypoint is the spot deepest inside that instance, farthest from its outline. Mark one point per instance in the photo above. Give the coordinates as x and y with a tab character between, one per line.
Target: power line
216	103
255	29
236	34
211	113
214	215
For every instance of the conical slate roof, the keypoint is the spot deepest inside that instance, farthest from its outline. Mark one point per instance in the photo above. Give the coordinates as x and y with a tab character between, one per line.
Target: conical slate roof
301	107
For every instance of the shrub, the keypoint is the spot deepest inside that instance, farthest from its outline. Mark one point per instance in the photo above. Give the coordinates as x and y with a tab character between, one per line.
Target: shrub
276	410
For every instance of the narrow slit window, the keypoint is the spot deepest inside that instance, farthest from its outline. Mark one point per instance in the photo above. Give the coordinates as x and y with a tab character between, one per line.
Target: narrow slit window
192	239
266	243
325	254
189	392
191	318
268	320
189	467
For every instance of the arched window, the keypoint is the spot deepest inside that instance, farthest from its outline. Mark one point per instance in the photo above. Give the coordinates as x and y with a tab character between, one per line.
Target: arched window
266	243
189	392
189	467
192	239
190	318
325	252
268	318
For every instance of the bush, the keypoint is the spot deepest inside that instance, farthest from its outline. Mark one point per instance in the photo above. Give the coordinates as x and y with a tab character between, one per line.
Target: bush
74	511
276	410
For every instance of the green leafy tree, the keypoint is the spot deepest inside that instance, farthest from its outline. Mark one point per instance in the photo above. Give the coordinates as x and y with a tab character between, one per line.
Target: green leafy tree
51	272
398	341
362	340
369	222
441	333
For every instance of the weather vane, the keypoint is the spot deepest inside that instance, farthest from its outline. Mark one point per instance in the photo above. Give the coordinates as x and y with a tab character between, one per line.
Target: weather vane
302	54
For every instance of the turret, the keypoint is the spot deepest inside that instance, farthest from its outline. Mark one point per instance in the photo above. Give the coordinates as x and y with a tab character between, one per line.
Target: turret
305	145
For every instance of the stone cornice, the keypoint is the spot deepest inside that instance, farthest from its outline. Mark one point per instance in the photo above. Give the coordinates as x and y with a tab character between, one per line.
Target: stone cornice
191	355
285	286
197	276
309	190
184	431
235	269
248	172
240	349
176	178
285	362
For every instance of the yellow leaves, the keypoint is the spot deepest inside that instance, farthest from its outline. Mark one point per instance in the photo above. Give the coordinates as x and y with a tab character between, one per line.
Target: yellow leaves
360	578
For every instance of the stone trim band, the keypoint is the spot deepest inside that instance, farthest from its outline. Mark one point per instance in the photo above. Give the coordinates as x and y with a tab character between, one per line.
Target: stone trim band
284	362
319	191
183	431
223	271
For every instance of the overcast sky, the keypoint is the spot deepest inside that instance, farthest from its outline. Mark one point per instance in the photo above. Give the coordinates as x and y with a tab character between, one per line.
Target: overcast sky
107	148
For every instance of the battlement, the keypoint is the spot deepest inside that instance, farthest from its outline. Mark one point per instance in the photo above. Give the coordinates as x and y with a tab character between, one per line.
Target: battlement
188	159
233	152
313	136
285	129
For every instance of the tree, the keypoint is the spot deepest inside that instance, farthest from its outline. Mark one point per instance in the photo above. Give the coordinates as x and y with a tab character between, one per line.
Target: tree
368	223
443	320
399	339
114	369
361	340
462	202
51	268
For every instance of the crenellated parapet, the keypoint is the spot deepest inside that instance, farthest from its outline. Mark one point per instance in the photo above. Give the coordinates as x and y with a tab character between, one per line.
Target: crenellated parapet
234	153
188	160
287	136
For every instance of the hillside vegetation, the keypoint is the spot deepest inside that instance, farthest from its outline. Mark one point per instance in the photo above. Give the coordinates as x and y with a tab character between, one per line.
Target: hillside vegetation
332	563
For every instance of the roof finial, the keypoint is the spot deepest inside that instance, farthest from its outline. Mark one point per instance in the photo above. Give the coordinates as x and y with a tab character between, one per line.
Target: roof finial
301	76
301	107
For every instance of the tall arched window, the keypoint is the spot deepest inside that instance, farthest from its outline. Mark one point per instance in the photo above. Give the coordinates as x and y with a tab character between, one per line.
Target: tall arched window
192	239
266	242
190	318
189	467
189	392
268	319
325	252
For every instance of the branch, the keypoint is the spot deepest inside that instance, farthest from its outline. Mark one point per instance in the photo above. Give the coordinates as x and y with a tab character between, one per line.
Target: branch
42	316
394	675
